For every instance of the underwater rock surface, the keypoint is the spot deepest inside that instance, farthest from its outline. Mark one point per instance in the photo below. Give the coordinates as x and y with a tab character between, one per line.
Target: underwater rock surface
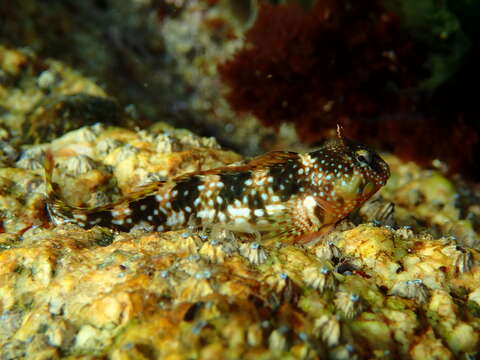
389	282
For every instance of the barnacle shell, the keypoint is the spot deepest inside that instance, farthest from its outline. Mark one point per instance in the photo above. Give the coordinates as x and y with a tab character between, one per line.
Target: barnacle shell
319	278
343	352
411	289
31	159
462	258
277	341
78	165
377	209
327	251
212	250
328	328
349	304
105	146
254	252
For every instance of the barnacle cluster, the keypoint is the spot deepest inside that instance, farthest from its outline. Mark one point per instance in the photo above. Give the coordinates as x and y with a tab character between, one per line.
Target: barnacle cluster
356	292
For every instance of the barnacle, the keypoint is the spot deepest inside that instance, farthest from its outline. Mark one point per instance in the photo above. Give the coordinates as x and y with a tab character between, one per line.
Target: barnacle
77	165
31	159
379	210
166	144
254	252
277	341
344	352
105	146
462	258
327	251
212	250
349	304
319	278
328	328
411	289
8	153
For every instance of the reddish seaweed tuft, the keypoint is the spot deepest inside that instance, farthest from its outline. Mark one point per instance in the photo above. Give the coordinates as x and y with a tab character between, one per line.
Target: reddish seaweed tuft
348	63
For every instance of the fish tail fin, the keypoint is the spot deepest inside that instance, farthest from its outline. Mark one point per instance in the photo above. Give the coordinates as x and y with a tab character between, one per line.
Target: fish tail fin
59	212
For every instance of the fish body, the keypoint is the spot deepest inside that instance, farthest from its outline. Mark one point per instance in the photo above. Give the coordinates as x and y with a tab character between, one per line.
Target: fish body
283	195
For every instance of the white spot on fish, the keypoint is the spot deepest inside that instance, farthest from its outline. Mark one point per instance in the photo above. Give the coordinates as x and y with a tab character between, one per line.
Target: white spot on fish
271	209
259	212
222	217
236	212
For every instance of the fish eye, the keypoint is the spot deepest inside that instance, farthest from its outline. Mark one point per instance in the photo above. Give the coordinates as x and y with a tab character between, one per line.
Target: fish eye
363	156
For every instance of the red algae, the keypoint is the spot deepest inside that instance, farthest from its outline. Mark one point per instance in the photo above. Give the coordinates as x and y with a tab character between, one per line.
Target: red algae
320	67
352	64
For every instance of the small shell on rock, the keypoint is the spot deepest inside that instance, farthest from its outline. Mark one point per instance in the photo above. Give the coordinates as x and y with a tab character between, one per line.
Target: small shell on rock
8	154
255	335
329	329
189	243
475	296
192	140
277	341
319	278
379	210
125	152
464	233
150	178
212	251
254	252
87	133
105	146
463	259
195	288
328	251
350	304
411	289
343	352
405	232
32	159
166	144
48	79
223	235
78	165
99	198
141	228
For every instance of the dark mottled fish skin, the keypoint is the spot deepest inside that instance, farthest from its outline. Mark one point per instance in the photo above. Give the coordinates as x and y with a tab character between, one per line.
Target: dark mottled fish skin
282	195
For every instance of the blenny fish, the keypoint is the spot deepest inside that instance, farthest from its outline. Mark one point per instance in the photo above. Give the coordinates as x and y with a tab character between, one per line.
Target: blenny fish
281	195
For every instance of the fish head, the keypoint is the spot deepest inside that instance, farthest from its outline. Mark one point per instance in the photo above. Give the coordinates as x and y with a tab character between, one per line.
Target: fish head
349	173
